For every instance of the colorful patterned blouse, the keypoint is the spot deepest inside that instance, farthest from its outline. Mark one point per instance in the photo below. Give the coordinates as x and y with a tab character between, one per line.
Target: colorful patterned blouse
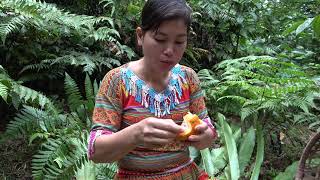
124	99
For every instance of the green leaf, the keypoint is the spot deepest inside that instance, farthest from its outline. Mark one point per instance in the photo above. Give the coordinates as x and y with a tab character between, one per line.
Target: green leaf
316	25
292	28
207	161
73	92
219	161
246	149
95	87
289	173
3	91
59	161
88	88
38	135
231	148
260	152
194	153
304	25
87	171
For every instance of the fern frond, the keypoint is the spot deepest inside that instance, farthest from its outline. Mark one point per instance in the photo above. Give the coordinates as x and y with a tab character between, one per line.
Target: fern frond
45	16
60	158
88	88
239	99
89	62
12	25
3	91
105	34
37	67
206	78
271	105
247	112
107	171
30	120
74	96
304	103
47	158
27	94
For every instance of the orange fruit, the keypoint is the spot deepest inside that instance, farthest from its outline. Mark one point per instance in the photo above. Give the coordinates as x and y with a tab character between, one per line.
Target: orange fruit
190	121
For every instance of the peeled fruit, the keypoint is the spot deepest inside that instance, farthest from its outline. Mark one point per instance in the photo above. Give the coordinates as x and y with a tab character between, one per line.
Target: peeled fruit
190	121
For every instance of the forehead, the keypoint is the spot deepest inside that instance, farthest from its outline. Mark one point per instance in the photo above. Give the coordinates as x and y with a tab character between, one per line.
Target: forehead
172	27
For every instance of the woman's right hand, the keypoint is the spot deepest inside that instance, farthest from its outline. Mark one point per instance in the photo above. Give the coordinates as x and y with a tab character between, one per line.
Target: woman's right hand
154	132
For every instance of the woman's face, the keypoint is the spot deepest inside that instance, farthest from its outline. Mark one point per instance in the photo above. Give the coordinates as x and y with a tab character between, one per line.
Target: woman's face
164	48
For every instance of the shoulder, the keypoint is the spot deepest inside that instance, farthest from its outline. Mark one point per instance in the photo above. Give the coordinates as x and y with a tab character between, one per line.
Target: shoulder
113	73
112	81
190	75
114	76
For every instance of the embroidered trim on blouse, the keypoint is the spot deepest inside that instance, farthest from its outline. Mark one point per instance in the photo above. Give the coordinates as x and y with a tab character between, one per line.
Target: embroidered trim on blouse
158	103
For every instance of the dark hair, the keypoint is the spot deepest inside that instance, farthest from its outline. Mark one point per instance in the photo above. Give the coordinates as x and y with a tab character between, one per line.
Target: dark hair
156	11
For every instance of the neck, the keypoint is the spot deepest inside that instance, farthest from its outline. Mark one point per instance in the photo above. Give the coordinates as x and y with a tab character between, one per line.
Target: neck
150	74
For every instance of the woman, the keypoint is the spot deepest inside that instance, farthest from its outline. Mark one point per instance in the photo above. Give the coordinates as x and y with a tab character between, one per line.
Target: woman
140	105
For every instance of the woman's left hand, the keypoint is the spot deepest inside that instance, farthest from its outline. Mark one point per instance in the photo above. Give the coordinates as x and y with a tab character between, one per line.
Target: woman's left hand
203	139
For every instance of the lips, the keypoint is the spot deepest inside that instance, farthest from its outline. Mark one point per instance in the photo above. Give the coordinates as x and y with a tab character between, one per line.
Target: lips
166	62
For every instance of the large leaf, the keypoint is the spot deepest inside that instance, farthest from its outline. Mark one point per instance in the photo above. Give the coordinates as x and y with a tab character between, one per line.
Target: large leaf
260	152
231	147
304	25
219	161
207	161
316	25
292	28
194	153
246	149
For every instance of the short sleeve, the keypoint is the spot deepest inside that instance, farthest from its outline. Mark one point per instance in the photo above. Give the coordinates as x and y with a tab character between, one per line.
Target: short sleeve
197	101
107	113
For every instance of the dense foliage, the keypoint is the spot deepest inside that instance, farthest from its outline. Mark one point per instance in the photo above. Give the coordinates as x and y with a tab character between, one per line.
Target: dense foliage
258	61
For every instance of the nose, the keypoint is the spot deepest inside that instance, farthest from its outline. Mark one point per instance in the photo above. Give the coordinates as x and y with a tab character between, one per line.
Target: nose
168	50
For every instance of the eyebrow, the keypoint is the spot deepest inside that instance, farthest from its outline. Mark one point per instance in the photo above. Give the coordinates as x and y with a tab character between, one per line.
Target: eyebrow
164	34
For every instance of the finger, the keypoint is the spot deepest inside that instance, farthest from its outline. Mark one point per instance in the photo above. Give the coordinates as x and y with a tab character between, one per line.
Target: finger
201	128
196	138
169	125
163	134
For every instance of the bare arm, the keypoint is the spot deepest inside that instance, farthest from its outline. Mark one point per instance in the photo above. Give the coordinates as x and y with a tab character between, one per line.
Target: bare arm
110	148
150	132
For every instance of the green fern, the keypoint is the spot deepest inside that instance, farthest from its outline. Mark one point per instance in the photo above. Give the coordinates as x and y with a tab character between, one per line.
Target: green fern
12	25
74	96
59	158
90	63
31	120
207	80
64	158
3	91
260	84
27	94
44	15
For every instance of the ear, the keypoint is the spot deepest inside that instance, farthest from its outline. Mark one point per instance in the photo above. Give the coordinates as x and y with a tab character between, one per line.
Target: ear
139	33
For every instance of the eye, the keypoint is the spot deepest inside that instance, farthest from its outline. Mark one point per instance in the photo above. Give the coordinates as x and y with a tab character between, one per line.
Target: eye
160	40
180	42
